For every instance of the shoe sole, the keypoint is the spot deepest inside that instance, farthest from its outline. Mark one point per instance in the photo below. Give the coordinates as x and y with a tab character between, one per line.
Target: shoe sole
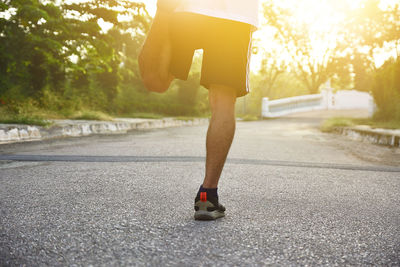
202	215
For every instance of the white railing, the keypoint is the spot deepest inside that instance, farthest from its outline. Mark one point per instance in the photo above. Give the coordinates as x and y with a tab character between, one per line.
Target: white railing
284	106
325	100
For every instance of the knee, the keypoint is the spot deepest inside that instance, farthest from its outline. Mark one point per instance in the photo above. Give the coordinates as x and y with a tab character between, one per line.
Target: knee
222	99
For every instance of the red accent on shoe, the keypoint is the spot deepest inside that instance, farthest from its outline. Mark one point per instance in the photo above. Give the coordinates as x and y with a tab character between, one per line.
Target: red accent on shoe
203	196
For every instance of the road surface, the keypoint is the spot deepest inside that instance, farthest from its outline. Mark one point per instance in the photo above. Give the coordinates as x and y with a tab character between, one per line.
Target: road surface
294	196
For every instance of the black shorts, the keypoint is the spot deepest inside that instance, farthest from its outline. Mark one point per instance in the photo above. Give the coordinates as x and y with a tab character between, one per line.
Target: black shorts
226	48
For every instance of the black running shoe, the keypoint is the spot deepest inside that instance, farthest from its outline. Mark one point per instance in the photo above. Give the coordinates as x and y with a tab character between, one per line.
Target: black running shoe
207	208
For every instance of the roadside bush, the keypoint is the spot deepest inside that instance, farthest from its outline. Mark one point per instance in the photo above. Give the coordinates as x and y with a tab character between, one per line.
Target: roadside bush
386	91
184	98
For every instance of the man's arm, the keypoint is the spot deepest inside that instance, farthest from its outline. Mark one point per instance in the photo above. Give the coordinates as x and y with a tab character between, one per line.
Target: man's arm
167	5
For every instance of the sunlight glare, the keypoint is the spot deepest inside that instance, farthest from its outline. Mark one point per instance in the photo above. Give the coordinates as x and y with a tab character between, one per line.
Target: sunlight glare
323	18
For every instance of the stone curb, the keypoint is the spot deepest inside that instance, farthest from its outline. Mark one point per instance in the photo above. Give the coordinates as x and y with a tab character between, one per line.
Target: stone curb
10	133
367	134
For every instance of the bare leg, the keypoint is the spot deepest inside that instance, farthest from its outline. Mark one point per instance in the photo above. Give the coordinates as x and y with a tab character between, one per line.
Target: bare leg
220	132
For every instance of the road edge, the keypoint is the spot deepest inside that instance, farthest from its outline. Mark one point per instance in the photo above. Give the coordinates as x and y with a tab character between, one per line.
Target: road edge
13	133
365	133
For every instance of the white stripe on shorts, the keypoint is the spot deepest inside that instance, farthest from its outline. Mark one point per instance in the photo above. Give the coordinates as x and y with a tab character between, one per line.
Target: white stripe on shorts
248	64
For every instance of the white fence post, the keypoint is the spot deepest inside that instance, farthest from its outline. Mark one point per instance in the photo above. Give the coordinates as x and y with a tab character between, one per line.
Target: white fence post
371	106
328	96
264	107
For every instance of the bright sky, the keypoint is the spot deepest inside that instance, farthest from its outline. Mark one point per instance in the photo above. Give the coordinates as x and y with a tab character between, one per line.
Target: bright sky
322	16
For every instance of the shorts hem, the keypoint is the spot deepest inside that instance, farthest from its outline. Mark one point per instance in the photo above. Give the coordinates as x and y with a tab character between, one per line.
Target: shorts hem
239	92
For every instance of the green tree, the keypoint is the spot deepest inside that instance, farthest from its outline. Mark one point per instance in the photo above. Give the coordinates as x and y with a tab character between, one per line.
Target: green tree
312	66
60	54
108	58
271	69
30	47
368	28
386	90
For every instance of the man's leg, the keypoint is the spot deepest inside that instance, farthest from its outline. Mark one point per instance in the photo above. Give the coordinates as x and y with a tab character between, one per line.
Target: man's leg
220	132
219	139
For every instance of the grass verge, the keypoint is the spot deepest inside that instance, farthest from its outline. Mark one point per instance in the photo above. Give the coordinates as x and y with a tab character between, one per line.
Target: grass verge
24	119
143	115
330	124
189	118
249	117
35	116
91	115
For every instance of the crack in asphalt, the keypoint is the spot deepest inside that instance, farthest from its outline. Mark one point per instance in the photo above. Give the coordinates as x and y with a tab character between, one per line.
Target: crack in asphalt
80	158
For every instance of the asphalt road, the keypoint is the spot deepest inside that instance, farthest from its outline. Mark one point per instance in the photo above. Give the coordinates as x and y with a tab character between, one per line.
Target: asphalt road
294	196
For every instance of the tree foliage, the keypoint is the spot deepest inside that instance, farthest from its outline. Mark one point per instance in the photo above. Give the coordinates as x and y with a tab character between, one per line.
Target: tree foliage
368	28
56	55
59	56
52	47
316	57
312	66
386	90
